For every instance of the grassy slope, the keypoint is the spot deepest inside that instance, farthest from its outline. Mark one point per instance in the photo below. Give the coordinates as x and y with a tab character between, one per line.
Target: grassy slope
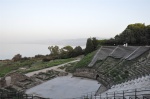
30	65
85	61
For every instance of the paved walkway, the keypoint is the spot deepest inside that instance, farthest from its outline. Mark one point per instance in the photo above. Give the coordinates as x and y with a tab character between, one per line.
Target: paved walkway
50	68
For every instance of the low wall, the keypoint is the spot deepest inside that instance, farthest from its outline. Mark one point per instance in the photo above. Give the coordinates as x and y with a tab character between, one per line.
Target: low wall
85	72
92	74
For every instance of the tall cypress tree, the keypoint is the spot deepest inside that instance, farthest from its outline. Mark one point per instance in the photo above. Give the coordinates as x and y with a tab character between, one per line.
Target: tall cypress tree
89	46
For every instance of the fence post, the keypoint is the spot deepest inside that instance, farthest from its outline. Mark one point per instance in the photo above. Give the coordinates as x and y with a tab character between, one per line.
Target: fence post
123	95
100	96
114	95
135	93
106	96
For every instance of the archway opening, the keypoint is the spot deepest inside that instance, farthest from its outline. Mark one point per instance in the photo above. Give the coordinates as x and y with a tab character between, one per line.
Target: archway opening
97	76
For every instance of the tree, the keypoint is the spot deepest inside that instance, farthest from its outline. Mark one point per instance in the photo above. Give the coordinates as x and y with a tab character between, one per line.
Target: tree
54	50
66	52
77	51
148	34
89	46
95	42
17	57
134	34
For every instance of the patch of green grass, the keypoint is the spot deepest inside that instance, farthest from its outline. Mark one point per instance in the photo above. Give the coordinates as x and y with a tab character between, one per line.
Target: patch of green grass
85	61
42	65
30	65
71	68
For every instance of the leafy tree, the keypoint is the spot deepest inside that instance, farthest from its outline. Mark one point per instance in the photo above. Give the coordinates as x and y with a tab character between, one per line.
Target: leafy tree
134	34
148	34
77	51
66	52
17	57
54	50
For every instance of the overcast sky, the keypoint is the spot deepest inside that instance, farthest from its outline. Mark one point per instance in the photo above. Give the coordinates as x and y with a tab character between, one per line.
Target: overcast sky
35	20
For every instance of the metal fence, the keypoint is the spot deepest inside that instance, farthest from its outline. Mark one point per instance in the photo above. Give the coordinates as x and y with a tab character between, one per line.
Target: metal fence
142	93
18	95
125	94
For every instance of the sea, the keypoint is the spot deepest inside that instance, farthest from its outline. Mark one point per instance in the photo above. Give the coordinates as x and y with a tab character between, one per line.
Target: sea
8	51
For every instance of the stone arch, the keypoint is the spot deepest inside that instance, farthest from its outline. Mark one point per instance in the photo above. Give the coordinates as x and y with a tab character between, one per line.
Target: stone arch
97	76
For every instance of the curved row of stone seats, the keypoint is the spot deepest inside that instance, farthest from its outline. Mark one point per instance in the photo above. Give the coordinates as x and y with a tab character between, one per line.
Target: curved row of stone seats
127	53
138	52
104	82
102	54
143	82
98	63
142	86
140	93
148	63
139	69
140	72
105	52
144	70
141	65
108	63
135	73
124	52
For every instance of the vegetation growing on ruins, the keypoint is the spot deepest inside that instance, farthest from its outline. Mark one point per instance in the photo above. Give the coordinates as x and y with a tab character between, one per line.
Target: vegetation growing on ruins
25	66
85	61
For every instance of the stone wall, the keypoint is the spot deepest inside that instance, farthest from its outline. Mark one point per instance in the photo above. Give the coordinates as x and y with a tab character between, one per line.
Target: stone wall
92	74
22	82
16	77
85	72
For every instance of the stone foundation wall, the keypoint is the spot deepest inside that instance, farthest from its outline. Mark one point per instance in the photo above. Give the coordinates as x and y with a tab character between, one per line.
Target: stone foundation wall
92	74
16	77
87	73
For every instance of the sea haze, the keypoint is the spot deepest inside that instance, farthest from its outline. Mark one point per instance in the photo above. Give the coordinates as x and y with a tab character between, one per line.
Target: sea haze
7	51
32	48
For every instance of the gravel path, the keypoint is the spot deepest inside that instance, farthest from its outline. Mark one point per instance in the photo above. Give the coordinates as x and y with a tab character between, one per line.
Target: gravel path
50	68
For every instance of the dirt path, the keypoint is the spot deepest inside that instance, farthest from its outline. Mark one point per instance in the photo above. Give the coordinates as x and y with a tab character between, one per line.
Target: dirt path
50	68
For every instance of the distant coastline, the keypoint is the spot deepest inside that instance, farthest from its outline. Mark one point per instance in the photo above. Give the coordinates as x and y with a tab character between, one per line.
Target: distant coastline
7	51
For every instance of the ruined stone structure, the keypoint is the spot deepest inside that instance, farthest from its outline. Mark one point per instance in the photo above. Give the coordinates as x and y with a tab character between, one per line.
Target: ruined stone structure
22	82
115	64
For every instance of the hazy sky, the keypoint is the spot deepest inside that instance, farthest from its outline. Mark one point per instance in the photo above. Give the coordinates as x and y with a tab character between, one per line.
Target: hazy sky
27	20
